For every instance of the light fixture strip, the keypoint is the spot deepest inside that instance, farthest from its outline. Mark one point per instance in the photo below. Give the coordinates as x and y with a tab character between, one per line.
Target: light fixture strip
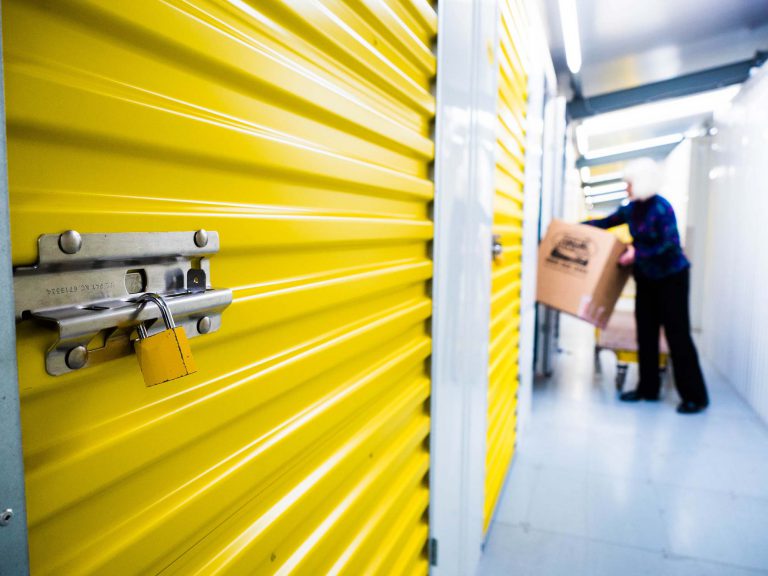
569	21
635	146
591	191
602	199
645	115
603	178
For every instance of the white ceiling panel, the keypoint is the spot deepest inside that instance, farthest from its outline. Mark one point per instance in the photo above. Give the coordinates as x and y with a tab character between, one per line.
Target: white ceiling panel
627	43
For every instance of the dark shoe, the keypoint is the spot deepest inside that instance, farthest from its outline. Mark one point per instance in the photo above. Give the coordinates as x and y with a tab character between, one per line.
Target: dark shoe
689	407
635	396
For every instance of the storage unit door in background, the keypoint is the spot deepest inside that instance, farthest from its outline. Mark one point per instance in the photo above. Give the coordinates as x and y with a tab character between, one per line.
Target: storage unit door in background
299	130
507	266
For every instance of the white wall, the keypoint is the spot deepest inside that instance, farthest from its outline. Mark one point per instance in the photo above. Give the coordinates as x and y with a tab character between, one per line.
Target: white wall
541	86
697	225
574	207
553	180
675	187
735	310
463	212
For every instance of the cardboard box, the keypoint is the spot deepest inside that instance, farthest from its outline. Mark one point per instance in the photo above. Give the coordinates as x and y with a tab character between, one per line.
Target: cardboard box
579	272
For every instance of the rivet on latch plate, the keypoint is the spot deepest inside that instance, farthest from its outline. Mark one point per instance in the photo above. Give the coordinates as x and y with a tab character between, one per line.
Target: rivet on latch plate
70	242
201	238
204	325
77	357
6	516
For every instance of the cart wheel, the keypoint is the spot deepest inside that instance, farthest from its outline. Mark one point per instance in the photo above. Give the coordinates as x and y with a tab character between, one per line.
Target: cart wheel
598	366
621	376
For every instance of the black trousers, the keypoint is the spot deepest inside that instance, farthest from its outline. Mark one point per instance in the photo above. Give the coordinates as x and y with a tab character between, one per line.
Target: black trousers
664	303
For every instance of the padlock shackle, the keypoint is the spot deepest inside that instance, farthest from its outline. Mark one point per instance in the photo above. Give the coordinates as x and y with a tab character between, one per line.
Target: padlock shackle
165	312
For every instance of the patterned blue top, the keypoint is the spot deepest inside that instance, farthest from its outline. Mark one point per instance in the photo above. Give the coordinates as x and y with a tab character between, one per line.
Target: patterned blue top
653	226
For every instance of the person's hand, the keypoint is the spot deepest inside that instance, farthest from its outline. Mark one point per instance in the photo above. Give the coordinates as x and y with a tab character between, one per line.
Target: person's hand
628	256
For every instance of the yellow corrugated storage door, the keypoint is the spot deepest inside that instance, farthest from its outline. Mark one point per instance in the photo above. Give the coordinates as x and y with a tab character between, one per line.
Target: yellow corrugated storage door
299	130
506	273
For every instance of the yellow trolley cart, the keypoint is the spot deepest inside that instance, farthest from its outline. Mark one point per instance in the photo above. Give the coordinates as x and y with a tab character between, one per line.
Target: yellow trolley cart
620	336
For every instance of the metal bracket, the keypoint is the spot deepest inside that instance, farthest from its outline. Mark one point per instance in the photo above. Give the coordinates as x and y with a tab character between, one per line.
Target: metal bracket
497	248
87	287
685	85
432	552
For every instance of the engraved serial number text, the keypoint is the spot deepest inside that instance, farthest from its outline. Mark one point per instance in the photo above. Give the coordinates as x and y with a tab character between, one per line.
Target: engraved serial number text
80	288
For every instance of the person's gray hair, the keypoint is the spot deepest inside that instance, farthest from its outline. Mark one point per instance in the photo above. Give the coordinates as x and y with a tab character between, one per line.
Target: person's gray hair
645	176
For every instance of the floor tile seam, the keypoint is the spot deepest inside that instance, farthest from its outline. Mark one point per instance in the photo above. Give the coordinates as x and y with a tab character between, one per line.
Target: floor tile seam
644	477
656	511
604	433
720	448
636	479
527	509
676	453
674	556
619	477
644	480
656	508
523	525
563	428
529	528
665	523
569	469
729	493
748	414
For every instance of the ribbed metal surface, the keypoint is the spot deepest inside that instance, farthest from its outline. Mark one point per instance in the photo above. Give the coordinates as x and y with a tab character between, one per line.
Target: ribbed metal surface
506	274
735	311
299	130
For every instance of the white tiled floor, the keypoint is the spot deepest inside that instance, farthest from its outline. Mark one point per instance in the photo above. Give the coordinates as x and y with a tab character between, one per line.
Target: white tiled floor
603	488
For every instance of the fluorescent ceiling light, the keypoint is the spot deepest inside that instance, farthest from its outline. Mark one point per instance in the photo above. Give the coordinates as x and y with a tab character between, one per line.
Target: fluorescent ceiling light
657	112
601	178
569	20
635	146
582	140
607	198
592	191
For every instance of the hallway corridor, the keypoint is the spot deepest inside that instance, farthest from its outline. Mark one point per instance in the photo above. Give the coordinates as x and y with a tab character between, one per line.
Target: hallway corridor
602	488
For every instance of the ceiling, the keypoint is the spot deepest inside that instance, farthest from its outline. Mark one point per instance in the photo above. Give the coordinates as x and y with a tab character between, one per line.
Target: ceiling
626	43
631	43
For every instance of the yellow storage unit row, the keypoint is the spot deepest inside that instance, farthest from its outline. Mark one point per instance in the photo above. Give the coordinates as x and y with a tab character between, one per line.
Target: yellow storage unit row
507	262
299	130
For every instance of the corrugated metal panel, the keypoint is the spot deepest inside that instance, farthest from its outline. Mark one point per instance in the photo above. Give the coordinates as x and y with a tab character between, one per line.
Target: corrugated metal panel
506	275
299	130
735	310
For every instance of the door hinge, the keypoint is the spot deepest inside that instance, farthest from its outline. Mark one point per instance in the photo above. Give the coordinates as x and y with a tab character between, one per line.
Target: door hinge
433	551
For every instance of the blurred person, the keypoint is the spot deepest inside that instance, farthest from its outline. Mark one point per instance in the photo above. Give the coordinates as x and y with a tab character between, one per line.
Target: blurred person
662	275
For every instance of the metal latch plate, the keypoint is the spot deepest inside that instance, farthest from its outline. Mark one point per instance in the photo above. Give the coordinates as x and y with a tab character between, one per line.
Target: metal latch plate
85	285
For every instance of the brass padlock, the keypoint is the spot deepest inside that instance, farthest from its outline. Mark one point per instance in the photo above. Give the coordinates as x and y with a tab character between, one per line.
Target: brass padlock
166	355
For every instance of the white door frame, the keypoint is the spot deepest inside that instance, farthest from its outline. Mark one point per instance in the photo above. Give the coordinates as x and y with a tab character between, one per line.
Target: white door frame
463	215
